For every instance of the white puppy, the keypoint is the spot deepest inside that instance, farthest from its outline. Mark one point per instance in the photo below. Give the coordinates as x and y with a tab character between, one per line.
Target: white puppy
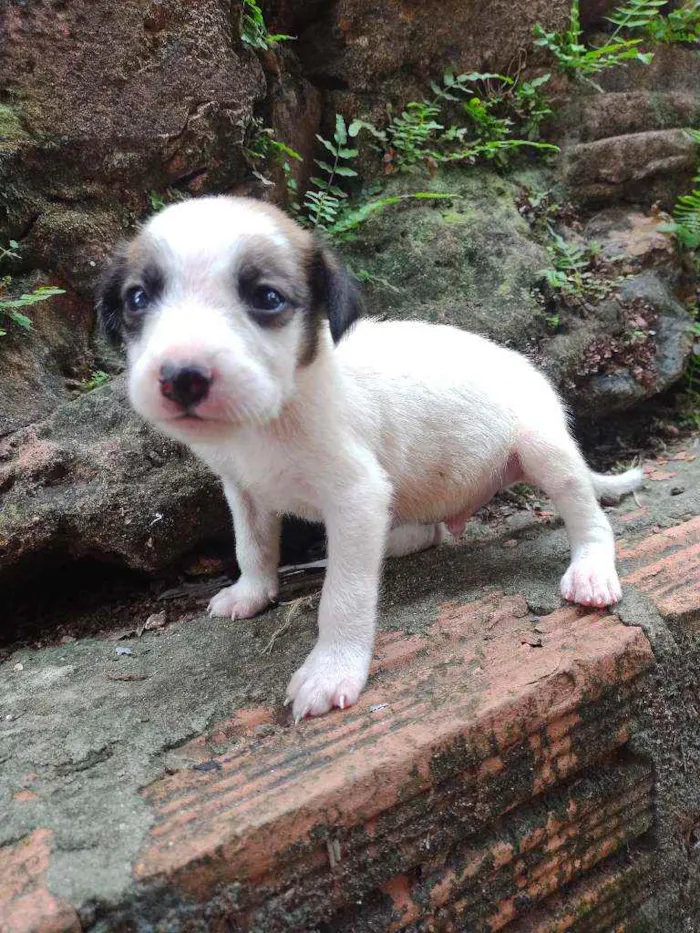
233	317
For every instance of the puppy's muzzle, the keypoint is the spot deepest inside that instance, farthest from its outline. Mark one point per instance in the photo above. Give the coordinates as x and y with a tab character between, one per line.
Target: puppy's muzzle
187	386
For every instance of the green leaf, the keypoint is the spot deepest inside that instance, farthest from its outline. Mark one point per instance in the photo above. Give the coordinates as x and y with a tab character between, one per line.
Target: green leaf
340	135
347	153
358	125
329	145
325	166
20	319
345	171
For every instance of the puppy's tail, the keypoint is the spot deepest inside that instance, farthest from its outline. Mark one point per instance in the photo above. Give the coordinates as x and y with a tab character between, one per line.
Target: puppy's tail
612	487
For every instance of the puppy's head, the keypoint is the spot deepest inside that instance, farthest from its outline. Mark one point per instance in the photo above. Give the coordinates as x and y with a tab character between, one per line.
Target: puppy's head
220	302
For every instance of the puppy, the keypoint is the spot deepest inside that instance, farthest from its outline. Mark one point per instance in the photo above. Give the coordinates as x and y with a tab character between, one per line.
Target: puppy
242	341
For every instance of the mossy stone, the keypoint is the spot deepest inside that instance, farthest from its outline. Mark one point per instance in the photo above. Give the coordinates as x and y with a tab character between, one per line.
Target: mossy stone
470	260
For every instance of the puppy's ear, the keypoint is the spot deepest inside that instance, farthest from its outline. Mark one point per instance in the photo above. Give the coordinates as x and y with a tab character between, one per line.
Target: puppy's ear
334	292
108	296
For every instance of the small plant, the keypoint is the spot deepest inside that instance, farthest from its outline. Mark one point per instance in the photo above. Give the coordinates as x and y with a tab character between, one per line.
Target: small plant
580	61
264	150
490	107
11	251
94	381
686	214
11	309
254	30
686	223
351	218
323	200
531	105
159	200
637	14
572	273
327	206
679	25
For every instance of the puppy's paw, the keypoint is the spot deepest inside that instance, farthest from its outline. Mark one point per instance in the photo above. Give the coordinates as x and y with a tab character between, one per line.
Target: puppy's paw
242	600
592	581
329	677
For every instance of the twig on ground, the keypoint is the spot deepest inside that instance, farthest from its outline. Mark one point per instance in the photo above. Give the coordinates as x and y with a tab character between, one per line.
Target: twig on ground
293	609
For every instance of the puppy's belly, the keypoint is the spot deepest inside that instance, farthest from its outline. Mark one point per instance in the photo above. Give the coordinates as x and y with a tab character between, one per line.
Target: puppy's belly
450	498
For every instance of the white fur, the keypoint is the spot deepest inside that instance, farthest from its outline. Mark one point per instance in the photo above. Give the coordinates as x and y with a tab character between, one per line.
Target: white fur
400	427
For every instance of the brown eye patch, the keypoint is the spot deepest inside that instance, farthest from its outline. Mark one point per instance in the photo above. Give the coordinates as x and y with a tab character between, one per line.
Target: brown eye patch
141	292
270	286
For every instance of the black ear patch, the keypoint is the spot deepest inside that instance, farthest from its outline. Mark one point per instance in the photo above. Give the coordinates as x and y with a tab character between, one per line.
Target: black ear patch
108	296
334	292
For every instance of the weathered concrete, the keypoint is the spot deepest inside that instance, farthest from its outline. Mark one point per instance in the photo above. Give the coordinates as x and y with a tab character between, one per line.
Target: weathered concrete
85	728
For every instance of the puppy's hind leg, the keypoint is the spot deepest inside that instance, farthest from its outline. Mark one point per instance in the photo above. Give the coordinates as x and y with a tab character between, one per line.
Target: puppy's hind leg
409	539
551	460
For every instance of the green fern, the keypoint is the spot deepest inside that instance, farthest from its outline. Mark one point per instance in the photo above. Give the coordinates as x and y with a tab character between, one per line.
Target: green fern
491	108
324	199
681	25
577	60
254	30
638	14
686	213
571	270
686	222
352	218
10	307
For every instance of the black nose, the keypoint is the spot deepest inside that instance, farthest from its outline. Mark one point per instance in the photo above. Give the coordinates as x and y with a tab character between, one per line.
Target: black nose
186	385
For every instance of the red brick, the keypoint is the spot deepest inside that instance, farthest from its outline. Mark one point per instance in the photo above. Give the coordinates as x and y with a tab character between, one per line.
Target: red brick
666	567
468	716
38	912
26	906
605	900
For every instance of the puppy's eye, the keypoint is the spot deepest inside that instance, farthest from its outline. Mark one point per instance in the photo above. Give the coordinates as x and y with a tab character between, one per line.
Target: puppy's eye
268	299
136	301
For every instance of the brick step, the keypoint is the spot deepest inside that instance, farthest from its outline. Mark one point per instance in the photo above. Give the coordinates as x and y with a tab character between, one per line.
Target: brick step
486	781
491	707
606	899
484	885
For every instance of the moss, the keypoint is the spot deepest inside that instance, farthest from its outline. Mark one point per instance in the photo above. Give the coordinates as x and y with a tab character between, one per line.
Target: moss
478	247
663	110
11	129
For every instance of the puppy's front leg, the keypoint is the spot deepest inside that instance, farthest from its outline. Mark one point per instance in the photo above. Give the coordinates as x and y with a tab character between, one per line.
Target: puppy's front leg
357	523
257	552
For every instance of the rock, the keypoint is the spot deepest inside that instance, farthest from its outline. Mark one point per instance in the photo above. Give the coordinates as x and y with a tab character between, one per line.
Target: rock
470	261
365	54
631	240
474	262
633	346
628	142
511	786
151	95
103	104
640	167
295	116
592	11
84	483
36	364
635	98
